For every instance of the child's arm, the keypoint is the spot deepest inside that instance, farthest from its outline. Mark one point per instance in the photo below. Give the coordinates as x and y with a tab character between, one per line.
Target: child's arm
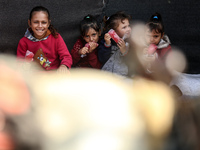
104	52
21	49
76	56
63	69
63	53
104	49
123	47
93	60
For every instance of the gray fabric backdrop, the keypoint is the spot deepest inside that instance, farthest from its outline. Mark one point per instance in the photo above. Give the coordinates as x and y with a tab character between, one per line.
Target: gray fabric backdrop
181	19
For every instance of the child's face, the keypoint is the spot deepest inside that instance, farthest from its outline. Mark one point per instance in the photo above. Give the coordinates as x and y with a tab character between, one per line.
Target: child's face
123	28
39	24
91	36
153	37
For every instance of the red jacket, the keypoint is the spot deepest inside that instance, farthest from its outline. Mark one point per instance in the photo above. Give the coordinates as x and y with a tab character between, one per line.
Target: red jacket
89	61
50	53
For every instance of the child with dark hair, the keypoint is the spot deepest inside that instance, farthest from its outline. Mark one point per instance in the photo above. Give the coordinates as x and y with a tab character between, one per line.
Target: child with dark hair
111	53
43	43
158	44
84	52
155	34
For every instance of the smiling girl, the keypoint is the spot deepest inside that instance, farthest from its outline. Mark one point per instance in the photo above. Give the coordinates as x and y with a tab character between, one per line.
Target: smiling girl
41	40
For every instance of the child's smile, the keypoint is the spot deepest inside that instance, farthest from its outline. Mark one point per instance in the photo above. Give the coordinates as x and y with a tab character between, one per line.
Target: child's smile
124	28
39	24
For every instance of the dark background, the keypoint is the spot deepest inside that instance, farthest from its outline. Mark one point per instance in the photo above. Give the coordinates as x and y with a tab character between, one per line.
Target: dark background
181	19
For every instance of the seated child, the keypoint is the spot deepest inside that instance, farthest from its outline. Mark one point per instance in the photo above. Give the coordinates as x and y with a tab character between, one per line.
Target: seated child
111	53
42	42
84	52
157	43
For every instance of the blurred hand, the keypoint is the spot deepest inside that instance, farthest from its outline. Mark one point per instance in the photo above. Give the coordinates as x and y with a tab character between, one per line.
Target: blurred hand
83	51
63	69
93	46
145	51
107	38
122	45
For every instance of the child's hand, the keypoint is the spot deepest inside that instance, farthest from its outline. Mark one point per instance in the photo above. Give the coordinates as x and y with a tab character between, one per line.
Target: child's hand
151	58
107	38
83	51
145	51
63	69
148	57
122	45
93	46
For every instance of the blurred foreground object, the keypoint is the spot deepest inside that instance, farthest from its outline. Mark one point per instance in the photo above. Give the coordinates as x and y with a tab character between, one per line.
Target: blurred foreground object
94	110
90	109
14	94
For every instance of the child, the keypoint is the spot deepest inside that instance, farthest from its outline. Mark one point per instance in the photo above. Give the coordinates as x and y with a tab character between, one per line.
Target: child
157	43
112	53
84	52
43	43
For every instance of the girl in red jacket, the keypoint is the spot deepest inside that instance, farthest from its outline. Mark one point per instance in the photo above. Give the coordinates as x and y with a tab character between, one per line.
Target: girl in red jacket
43	44
84	52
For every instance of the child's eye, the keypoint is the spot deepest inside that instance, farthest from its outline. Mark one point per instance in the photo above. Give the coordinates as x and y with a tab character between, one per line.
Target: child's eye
94	34
44	22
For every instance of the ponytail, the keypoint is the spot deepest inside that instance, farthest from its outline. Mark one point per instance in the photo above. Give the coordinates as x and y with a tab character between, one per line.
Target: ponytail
155	23
53	31
156	18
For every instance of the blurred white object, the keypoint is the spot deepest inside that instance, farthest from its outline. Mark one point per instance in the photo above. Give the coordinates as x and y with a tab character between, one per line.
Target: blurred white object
189	84
89	109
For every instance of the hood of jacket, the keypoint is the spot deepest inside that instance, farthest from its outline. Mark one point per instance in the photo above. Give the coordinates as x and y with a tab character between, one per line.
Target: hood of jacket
164	42
29	36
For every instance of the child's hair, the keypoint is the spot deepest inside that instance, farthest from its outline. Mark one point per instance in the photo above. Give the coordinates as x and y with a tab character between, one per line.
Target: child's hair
88	22
156	23
113	21
41	8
